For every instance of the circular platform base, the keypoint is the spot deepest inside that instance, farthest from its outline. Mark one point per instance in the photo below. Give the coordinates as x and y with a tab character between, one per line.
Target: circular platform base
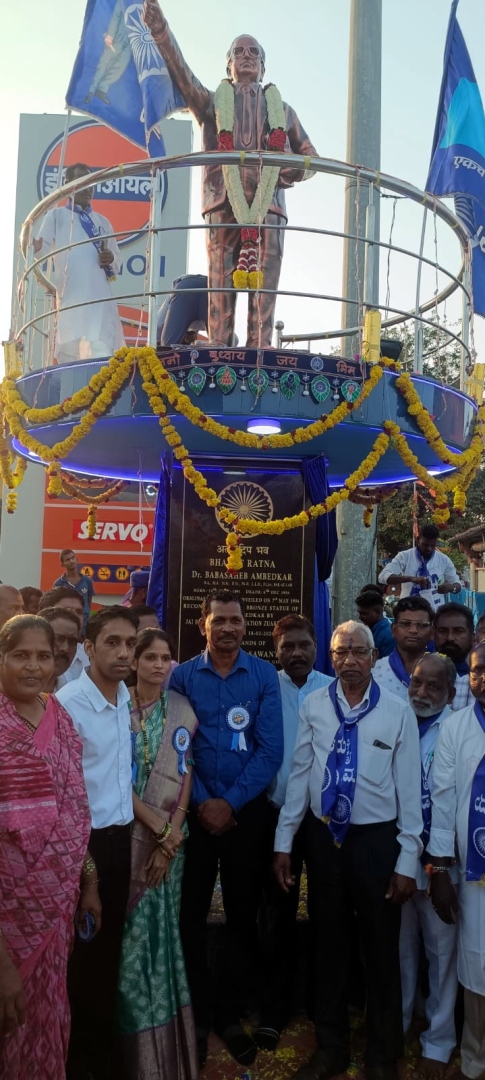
294	388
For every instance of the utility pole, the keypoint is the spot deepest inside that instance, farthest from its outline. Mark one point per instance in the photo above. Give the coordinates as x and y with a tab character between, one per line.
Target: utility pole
355	563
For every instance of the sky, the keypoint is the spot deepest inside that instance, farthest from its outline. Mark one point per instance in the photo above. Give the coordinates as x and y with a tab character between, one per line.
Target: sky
306	47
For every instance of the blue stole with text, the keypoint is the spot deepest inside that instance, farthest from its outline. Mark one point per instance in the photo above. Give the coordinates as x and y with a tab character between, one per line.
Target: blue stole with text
475	858
421	572
340	774
91	230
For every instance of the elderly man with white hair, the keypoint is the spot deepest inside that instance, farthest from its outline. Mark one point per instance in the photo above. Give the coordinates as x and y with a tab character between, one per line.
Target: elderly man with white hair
357	765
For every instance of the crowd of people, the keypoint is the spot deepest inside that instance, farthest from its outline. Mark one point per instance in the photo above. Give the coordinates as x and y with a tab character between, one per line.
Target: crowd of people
130	783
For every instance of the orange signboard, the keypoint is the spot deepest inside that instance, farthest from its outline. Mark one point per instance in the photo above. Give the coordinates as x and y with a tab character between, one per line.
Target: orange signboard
123	542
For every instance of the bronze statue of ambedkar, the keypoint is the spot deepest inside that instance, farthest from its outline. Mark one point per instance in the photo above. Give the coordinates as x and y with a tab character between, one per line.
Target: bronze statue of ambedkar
251	132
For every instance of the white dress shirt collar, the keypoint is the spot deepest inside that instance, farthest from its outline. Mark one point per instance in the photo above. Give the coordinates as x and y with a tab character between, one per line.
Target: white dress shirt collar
347	709
313	676
96	698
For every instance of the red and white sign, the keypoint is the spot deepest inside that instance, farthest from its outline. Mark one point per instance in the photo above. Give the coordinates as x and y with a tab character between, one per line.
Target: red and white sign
122	542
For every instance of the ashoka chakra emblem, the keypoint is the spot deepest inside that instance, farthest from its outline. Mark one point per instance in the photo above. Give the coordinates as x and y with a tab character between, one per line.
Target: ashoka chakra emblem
479	841
342	810
247	500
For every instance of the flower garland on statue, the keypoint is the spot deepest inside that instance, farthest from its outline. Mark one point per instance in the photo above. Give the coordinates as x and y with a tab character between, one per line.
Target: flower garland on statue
246	274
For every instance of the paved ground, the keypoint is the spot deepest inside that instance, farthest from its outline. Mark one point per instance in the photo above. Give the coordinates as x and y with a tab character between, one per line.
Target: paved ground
296	1047
298	1040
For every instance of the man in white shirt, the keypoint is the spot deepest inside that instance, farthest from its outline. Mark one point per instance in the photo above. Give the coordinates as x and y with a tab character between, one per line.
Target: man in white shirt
412	631
457	828
453	636
88	323
431	692
98	705
423	571
296	648
356	763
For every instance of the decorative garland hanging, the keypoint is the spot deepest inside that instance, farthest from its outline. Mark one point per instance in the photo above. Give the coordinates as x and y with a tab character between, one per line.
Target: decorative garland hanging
97	398
73	491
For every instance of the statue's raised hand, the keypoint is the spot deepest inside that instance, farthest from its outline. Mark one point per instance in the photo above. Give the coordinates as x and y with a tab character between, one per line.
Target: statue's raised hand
153	17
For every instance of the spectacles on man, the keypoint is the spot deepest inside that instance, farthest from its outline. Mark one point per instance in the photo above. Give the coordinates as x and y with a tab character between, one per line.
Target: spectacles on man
251	50
359	653
407	624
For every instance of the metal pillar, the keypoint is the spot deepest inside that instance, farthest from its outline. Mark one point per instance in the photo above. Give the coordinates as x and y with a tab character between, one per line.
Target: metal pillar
355	564
154	257
465	321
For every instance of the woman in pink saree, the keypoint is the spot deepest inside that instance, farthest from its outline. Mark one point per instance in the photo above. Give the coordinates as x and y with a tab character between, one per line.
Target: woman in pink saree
44	831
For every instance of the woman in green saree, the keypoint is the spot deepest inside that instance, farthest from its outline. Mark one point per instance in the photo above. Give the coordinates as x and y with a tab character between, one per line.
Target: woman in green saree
155	1015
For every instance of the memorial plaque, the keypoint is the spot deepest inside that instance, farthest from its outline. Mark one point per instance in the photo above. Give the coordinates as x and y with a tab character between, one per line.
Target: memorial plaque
278	572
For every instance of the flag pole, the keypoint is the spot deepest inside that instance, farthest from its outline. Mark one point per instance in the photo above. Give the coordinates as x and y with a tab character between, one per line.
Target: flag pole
465	320
63	148
154	252
418	326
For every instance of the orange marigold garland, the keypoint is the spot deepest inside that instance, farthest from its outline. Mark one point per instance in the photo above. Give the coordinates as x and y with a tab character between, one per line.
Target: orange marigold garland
92	521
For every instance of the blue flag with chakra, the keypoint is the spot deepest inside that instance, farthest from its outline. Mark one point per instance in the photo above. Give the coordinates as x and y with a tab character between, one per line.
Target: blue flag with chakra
119	76
458	156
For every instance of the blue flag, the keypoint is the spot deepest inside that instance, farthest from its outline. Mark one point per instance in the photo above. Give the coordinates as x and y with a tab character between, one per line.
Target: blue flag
458	156
119	75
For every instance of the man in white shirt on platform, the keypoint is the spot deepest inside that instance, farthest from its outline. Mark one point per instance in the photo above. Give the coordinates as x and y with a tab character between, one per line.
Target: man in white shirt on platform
431	693
98	705
458	827
88	322
453	636
356	764
296	648
423	571
412	630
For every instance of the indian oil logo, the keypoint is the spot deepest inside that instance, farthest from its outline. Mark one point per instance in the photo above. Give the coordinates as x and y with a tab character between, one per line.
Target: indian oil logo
124	200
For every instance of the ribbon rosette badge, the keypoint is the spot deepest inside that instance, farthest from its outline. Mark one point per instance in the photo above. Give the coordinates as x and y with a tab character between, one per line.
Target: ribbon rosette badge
181	742
238	719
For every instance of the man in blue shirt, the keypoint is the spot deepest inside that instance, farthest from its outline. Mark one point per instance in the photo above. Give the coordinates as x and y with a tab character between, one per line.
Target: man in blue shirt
237	750
370	605
73	579
295	645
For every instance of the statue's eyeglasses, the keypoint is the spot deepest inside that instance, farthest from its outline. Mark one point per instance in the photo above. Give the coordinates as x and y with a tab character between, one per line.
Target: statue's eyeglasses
252	50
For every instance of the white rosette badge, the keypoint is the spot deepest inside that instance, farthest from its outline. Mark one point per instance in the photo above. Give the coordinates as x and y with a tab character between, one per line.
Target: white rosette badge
238	719
181	742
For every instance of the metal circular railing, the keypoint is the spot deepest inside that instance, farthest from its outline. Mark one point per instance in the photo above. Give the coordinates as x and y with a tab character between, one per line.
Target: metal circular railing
28	321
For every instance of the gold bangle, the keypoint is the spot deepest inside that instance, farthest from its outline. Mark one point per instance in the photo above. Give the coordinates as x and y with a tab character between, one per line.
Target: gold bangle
184	808
89	867
163	834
